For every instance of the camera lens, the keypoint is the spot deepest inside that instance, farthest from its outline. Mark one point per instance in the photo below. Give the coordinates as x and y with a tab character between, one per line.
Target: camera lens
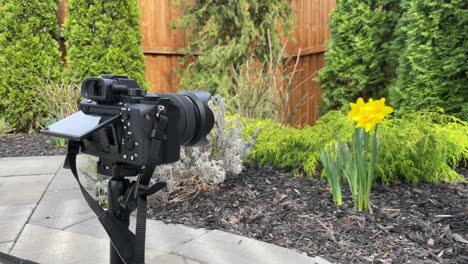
196	119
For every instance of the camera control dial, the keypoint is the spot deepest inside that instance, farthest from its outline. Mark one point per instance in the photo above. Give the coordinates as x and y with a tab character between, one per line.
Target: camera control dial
129	143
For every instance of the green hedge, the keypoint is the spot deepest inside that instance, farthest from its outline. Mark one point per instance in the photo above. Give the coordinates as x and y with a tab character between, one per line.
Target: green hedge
358	61
412	51
29	54
433	68
104	37
418	147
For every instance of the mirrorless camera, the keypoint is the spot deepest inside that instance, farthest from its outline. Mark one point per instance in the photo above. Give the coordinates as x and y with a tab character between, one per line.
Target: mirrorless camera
117	121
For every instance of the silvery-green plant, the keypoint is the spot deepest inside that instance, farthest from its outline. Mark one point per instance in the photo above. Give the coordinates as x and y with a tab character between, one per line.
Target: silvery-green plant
211	164
94	180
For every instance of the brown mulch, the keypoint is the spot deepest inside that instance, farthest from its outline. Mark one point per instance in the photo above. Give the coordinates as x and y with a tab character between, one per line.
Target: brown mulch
21	145
409	224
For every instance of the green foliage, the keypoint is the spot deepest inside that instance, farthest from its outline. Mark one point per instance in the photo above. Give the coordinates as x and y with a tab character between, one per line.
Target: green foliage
415	51
251	93
433	69
264	90
292	147
104	37
422	146
355	163
58	99
228	32
29	52
360	164
332	168
418	147
5	126
357	59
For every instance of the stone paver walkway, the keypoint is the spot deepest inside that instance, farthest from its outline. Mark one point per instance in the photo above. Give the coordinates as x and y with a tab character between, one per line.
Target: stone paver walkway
44	218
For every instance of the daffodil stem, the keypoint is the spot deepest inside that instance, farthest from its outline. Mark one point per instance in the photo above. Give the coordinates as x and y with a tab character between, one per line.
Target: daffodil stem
360	174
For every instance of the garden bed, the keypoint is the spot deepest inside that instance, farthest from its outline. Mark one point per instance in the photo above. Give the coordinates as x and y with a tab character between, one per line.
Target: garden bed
416	224
409	224
20	145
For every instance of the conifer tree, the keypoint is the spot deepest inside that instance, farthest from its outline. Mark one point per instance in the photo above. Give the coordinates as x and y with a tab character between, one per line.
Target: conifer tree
357	60
104	37
432	70
228	32
29	54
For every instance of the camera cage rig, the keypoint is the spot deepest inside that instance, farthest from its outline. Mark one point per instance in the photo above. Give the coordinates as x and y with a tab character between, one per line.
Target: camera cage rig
131	134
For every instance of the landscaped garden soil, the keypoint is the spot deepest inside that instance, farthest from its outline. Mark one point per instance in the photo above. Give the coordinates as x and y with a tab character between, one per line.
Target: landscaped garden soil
409	224
20	145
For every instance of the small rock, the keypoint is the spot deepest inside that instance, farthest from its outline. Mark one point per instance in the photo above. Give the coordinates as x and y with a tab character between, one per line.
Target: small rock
430	242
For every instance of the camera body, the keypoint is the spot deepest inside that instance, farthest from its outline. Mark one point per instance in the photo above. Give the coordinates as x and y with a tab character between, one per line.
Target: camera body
127	139
118	120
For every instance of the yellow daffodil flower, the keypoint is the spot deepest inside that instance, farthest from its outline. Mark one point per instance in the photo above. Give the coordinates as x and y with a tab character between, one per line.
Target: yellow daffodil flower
367	115
356	108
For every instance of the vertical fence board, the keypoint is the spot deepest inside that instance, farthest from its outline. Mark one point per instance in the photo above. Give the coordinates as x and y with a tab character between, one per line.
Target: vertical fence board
161	44
311	35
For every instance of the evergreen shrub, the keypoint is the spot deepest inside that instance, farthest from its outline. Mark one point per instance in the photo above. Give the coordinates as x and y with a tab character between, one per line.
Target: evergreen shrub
420	146
357	59
226	33
293	147
104	37
432	71
29	53
412	52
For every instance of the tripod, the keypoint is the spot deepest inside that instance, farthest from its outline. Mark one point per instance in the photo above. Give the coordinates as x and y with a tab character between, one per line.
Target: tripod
122	201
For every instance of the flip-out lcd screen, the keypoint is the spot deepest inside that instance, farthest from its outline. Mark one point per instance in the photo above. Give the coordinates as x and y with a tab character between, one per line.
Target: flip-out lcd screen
78	126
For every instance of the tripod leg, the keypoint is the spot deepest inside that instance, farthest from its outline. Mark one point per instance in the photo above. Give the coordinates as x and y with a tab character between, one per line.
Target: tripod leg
116	188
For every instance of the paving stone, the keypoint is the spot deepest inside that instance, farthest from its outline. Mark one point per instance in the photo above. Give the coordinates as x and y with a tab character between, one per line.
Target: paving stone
30	165
224	248
163	258
60	209
12	220
159	236
45	245
23	190
168	237
5	246
189	261
64	179
14	213
90	227
10	231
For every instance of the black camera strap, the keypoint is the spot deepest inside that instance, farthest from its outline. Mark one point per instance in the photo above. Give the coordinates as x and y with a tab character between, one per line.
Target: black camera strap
118	232
158	135
129	246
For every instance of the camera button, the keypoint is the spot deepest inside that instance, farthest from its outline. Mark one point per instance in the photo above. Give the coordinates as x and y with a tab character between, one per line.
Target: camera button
129	143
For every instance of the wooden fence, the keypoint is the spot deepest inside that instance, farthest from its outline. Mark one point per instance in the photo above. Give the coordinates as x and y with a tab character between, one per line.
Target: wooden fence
311	36
161	45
